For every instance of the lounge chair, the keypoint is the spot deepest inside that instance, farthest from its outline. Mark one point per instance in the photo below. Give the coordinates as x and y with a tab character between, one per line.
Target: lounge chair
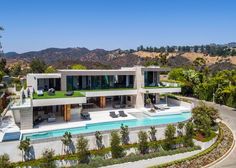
69	93
40	92
161	107
85	116
122	114
51	92
113	114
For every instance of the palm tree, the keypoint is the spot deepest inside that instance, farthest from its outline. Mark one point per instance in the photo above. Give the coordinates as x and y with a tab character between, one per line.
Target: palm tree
66	141
98	137
24	146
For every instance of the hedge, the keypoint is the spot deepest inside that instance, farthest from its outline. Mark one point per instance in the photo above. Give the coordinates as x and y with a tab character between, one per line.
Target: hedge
104	151
220	138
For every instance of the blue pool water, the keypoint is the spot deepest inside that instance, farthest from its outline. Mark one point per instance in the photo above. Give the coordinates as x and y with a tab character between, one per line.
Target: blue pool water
148	121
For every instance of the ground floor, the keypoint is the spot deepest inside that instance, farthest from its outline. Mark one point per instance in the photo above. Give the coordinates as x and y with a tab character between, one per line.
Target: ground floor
35	115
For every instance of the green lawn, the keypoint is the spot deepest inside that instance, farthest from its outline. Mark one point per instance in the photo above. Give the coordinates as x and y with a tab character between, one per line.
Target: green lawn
58	94
111	89
156	87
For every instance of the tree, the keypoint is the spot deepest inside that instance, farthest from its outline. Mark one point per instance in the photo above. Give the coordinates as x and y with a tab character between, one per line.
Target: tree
202	109
78	66
66	141
143	142
16	70
117	150
152	134
189	131
204	117
24	147
170	134
98	137
199	63
176	74
48	160
163	58
82	149
50	69
124	134
5	161
37	66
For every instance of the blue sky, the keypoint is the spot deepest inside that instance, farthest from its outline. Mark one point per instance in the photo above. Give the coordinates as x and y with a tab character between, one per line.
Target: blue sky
110	24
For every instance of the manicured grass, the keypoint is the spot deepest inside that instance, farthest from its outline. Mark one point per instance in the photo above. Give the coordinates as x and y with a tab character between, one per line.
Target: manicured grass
58	94
111	89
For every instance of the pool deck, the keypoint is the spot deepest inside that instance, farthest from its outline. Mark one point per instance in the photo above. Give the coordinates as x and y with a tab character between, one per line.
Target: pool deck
103	116
171	111
96	117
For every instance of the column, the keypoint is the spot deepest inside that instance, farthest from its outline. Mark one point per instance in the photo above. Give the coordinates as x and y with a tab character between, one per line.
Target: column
139	83
67	112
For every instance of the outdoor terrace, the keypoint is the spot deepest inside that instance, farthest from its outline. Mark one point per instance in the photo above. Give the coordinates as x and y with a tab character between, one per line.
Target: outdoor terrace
58	94
164	85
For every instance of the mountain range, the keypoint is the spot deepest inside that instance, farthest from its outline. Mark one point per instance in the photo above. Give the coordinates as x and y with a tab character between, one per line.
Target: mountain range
100	58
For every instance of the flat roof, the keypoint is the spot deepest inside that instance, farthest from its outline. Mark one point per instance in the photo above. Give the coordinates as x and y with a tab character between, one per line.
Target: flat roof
45	75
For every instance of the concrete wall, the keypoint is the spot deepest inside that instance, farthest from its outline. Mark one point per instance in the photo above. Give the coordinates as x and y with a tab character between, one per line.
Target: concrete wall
162	90
180	103
26	118
111	93
32	79
58	101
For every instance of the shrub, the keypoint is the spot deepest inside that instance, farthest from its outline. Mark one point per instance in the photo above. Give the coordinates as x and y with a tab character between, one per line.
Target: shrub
170	134
47	159
143	142
117	150
83	152
5	161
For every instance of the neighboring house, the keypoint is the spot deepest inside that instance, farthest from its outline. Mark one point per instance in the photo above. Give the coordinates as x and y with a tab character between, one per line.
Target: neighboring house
114	88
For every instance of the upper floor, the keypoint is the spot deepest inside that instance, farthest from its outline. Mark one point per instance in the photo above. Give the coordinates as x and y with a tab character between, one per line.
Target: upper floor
124	81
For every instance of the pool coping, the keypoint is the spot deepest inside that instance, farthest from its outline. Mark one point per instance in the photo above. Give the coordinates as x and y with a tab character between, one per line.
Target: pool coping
35	141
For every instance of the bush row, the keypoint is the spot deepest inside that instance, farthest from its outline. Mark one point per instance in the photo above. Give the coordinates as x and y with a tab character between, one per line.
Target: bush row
224	140
102	152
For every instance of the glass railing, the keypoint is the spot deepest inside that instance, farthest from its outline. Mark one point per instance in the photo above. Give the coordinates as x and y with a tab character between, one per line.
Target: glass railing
163	85
105	87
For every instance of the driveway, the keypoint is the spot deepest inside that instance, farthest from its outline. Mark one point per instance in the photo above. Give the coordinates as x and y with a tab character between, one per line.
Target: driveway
228	114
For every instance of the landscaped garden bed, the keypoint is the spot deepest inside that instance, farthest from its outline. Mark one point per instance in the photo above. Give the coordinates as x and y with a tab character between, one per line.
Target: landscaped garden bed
223	144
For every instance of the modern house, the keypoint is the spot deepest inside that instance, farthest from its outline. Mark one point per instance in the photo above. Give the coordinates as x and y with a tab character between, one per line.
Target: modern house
55	95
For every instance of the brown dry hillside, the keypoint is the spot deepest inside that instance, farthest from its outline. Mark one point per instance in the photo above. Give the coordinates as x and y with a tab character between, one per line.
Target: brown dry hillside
191	56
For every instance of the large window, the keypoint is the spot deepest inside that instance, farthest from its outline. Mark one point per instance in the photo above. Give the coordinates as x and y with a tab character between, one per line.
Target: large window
151	78
99	82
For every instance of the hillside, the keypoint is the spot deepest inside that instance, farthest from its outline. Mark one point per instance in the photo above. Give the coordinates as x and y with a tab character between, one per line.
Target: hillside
191	56
100	58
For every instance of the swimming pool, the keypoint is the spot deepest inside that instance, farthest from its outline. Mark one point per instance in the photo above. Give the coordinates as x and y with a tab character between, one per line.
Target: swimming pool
148	121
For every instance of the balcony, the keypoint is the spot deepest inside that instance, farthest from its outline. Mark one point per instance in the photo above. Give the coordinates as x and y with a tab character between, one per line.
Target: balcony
163	87
109	92
163	84
57	94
